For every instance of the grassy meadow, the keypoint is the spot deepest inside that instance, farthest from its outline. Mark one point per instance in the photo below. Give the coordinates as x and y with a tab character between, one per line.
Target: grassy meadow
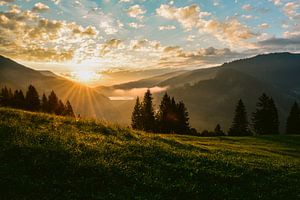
49	157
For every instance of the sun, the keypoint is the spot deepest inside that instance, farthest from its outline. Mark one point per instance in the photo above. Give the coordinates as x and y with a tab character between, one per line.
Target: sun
85	76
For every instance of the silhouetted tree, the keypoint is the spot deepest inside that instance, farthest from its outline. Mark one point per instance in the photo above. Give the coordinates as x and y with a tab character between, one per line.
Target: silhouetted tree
44	104
148	119
293	120
165	115
218	131
52	102
69	110
240	125
136	117
6	97
183	125
173	117
19	100
265	118
60	108
32	99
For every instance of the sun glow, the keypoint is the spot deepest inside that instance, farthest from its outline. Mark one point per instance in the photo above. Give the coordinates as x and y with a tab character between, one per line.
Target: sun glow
86	76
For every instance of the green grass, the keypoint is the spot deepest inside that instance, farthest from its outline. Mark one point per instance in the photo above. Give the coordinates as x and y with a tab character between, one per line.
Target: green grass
49	157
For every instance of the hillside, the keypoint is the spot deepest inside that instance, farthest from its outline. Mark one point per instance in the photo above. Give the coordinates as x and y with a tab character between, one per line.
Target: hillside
211	94
48	157
86	101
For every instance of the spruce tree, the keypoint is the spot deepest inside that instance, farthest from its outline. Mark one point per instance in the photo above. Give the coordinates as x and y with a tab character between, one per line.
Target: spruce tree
293	120
164	115
7	96
19	99
183	125
240	125
60	108
52	102
136	117
44	103
69	110
148	119
265	118
32	99
218	130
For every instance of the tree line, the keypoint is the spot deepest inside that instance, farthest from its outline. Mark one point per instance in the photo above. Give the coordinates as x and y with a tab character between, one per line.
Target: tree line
264	120
171	117
31	101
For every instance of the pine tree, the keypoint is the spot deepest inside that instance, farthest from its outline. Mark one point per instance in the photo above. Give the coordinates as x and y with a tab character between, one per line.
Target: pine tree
218	131
44	105
19	100
240	125
6	97
164	115
148	119
293	120
183	125
136	117
60	108
52	102
32	99
265	118
68	111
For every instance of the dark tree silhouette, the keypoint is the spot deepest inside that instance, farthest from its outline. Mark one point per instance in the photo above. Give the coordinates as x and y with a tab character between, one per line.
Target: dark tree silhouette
31	102
19	99
265	118
293	120
148	119
32	99
240	125
164	115
44	104
68	111
136	117
52	102
218	131
6	97
60	108
183	125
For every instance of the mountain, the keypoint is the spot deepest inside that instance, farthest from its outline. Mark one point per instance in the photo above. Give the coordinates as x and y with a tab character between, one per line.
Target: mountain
86	101
50	157
212	93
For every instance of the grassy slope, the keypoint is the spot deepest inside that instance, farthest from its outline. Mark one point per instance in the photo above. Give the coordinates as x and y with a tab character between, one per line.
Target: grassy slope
48	157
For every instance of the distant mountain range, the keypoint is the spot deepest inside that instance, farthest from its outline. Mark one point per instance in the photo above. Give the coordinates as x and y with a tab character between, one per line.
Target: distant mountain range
210	94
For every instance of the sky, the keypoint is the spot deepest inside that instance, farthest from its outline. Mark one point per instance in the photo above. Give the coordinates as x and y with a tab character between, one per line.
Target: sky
95	41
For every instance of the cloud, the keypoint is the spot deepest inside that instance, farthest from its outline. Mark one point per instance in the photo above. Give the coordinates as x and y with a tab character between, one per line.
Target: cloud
40	7
247	7
136	12
276	2
109	45
231	31
125	1
281	42
264	26
135	25
25	35
5	2
188	16
168	27
145	45
56	1
290	9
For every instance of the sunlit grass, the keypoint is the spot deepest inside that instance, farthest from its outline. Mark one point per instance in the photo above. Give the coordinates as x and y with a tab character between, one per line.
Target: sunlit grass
49	157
